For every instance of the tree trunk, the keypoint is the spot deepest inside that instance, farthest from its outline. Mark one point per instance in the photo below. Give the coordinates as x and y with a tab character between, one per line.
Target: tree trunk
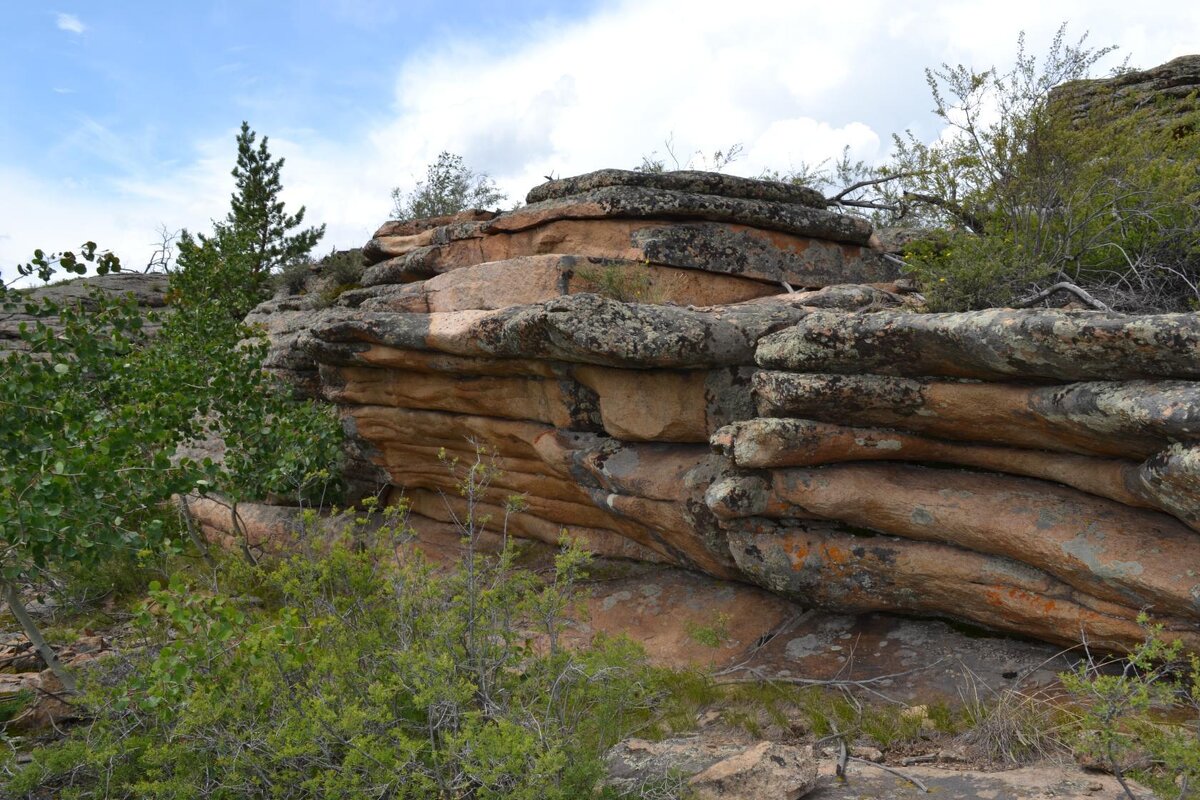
13	597
190	523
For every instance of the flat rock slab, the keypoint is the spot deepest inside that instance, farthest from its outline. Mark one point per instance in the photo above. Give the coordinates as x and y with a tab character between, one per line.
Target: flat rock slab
1130	419
1039	782
997	344
147	290
531	279
581	328
638	202
839	568
911	660
1126	555
412	227
719	247
687	180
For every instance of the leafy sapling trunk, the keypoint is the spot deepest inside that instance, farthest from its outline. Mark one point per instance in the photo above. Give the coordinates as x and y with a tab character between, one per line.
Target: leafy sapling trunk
189	523
12	596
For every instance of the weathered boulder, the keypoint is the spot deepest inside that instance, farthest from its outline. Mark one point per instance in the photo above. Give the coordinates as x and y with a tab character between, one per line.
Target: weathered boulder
713	247
1166	90
1028	344
770	443
632	348
1170	480
1133	419
650	203
693	181
532	279
147	290
583	328
1134	557
833	566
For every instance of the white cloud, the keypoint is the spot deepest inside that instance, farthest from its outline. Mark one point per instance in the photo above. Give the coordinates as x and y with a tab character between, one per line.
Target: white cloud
69	23
791	81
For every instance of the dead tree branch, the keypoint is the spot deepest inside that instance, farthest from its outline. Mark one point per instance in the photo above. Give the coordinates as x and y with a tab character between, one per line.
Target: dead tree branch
1064	286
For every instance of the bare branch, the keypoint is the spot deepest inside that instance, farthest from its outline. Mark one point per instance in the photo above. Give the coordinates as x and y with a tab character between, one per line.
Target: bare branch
1064	286
837	198
974	223
869	204
891	771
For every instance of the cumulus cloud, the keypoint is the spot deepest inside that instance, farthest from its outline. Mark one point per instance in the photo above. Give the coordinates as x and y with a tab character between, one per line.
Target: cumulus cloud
69	23
793	83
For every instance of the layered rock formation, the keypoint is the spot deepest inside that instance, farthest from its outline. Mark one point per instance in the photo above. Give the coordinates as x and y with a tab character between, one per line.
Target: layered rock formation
721	374
147	290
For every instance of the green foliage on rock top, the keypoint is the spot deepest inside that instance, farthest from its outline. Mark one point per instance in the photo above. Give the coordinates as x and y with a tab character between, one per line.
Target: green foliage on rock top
450	186
1021	194
1110	203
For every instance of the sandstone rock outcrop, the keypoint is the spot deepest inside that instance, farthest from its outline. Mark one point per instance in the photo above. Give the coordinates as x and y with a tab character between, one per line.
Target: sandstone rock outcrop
147	290
1167	91
633	348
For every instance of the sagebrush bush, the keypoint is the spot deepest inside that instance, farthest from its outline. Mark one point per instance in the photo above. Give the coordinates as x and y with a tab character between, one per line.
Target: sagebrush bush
372	674
1141	714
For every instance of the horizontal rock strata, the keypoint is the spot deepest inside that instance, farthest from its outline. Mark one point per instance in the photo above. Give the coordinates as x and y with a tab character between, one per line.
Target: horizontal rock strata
997	344
736	250
632	348
834	567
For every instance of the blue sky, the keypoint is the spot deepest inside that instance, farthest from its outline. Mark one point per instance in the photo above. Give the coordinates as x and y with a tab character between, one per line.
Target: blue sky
119	117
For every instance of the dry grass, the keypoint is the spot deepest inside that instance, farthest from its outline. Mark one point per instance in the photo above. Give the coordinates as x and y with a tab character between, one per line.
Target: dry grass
1011	726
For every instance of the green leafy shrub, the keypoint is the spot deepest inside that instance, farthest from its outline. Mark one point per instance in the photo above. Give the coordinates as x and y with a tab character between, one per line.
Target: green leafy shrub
450	186
89	426
1035	197
292	278
1142	711
376	675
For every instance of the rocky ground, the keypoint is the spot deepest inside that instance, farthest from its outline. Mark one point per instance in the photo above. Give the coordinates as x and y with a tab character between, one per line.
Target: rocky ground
684	620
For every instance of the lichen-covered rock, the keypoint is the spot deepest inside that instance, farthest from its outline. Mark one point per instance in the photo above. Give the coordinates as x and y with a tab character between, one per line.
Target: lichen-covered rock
1132	419
712	770
651	203
693	181
998	344
1168	90
1137	558
717	247
772	443
829	565
583	328
632	348
523	280
1170	480
147	290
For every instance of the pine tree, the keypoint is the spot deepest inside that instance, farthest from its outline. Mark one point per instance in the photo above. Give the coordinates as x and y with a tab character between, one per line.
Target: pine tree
232	265
257	217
